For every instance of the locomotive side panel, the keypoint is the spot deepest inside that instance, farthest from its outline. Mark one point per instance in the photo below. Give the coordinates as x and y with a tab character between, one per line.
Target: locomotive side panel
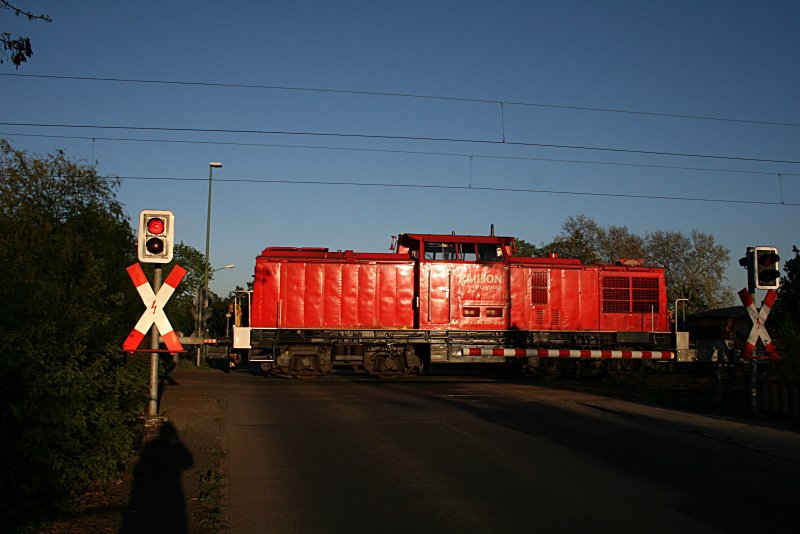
590	300
434	290
480	296
333	291
350	296
266	296
332	302
367	281
519	288
554	298
565	300
396	295
633	301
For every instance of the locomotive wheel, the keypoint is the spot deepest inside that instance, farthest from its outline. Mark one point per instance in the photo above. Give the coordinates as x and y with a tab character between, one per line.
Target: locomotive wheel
302	365
384	363
390	366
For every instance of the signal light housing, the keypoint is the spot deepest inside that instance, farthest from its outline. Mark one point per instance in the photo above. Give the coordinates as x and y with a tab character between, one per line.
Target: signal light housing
156	236
766	268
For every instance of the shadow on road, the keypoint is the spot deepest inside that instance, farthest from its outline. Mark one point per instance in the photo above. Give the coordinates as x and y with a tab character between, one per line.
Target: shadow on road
722	491
157	502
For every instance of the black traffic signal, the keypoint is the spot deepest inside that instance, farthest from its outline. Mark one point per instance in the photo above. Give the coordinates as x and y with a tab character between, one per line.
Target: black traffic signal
156	231
766	268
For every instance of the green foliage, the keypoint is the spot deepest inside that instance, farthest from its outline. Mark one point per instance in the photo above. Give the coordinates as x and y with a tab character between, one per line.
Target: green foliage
68	398
786	318
579	238
694	265
212	515
527	250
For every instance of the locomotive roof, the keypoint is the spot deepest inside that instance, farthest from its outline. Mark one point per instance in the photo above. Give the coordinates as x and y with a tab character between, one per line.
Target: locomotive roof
452	238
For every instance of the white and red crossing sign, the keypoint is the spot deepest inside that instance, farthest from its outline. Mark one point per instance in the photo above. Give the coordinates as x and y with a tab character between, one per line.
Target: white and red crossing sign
155	308
759	317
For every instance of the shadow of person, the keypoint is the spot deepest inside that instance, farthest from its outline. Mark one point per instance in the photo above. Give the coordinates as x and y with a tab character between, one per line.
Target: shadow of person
157	501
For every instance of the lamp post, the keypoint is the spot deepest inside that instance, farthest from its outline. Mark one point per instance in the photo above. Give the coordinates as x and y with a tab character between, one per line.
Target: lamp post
211	166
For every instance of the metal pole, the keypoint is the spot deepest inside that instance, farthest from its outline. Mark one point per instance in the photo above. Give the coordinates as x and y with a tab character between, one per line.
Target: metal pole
211	166
153	404
754	386
208	225
751	287
198	308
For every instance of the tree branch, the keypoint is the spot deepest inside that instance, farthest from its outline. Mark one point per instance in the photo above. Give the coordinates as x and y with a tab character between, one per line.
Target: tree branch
5	4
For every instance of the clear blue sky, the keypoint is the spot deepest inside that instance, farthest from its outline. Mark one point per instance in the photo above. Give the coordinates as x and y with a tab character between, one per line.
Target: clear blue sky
735	60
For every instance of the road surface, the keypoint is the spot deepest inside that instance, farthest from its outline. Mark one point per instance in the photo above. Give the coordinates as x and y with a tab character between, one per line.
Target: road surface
475	454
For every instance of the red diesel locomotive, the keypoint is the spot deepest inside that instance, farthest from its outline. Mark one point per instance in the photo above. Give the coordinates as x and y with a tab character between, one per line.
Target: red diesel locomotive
446	299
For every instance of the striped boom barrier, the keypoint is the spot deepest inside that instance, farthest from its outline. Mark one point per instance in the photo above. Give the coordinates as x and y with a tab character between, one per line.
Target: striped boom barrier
155	308
572	353
759	317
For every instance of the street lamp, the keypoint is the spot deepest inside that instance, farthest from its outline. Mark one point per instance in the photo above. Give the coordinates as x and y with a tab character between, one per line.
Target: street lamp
211	166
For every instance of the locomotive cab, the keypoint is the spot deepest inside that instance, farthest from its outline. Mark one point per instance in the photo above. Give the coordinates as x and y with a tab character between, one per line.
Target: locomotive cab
462	281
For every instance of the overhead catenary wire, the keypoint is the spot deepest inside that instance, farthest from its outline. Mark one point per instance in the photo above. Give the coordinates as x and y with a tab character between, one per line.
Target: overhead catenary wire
452	187
498	102
471	156
474	155
397	138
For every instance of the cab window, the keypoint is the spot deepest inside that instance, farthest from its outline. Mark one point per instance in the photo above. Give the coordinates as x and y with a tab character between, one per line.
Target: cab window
440	251
490	252
468	252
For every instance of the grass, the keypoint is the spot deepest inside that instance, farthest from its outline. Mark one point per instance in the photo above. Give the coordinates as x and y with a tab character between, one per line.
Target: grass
212	514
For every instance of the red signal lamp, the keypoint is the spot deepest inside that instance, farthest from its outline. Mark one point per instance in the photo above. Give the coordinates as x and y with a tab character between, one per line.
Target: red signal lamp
155	226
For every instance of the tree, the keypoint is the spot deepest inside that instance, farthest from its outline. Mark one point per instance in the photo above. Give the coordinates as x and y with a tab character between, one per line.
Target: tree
18	49
583	238
527	250
68	398
787	317
579	238
694	267
617	242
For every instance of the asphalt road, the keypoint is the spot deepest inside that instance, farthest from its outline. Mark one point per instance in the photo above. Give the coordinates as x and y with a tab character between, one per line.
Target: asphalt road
471	454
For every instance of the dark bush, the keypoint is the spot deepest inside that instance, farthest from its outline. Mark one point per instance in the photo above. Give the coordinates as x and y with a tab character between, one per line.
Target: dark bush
69	400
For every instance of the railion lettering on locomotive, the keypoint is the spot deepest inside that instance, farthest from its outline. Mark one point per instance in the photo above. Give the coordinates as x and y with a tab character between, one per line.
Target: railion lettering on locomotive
480	279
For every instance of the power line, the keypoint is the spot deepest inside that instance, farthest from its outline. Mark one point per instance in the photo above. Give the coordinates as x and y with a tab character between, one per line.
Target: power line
452	187
405	152
401	138
405	95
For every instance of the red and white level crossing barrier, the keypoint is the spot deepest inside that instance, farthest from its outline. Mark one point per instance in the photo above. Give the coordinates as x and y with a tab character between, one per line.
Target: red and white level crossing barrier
572	353
155	308
759	317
